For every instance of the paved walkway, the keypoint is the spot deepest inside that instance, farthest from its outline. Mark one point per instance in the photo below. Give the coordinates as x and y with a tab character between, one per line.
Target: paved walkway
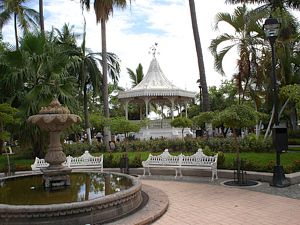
193	203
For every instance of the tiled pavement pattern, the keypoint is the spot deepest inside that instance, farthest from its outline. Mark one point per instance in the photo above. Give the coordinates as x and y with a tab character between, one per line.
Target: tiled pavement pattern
192	203
196	201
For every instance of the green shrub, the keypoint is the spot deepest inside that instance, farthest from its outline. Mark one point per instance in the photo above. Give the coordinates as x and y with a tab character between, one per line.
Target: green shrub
11	168
270	165
294	141
78	149
221	159
249	165
108	160
137	161
207	151
296	165
294	133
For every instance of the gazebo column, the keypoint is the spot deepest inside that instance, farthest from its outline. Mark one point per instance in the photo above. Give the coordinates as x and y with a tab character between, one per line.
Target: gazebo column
147	100
172	108
126	109
186	114
180	109
172	100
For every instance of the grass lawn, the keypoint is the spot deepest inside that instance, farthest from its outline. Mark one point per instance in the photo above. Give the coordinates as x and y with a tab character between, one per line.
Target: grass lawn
20	164
264	161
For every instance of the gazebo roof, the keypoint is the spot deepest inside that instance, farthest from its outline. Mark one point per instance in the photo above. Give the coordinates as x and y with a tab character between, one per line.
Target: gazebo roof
155	84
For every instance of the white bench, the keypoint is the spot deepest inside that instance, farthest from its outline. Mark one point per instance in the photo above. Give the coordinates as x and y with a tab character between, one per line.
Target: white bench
197	161
85	161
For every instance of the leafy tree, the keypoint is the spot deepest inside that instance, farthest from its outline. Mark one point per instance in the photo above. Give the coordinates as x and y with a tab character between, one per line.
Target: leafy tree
291	94
181	122
7	116
202	118
223	96
202	79
103	10
235	117
98	121
23	15
120	125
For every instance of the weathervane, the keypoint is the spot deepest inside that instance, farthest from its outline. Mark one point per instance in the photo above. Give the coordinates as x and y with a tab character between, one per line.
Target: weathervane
153	50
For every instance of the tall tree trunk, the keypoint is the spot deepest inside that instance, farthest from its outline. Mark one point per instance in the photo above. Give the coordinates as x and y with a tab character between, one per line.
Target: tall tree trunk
86	115
106	136
16	31
206	104
41	11
293	117
270	123
238	158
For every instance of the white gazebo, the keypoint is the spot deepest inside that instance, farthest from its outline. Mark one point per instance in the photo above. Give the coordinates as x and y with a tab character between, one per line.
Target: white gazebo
156	88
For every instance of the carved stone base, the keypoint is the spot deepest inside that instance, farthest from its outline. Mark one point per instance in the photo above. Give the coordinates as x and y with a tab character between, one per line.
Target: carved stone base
56	178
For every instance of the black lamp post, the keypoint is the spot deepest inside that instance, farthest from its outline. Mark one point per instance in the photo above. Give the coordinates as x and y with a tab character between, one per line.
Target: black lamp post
271	29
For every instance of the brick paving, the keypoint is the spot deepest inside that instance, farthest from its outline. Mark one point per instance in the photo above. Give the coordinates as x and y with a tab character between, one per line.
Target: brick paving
192	203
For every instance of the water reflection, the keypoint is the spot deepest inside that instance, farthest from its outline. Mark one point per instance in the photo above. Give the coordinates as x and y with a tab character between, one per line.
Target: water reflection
84	186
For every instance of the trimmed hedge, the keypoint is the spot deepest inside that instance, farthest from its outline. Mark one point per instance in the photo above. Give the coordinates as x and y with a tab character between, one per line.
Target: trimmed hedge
247	144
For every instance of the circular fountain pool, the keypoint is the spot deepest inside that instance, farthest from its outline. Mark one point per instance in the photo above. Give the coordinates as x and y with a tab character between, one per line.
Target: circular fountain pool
92	198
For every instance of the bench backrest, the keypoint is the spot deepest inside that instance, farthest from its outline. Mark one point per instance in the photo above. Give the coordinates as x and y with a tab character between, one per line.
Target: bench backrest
199	158
39	163
84	160
163	159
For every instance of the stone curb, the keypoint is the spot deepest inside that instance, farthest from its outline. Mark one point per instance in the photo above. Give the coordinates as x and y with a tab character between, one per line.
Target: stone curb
157	205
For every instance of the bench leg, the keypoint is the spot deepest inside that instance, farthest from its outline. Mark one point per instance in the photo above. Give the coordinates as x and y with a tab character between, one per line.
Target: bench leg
149	173
214	175
144	171
176	171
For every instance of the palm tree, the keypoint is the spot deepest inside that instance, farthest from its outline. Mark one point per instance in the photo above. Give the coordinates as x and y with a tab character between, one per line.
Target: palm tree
86	68
23	15
136	77
103	10
32	75
294	4
247	36
202	80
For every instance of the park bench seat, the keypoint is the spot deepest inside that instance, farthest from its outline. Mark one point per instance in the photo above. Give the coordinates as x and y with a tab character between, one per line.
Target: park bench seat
181	162
85	161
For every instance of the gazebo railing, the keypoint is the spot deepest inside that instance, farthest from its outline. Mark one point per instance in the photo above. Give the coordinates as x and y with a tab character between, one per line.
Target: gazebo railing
165	123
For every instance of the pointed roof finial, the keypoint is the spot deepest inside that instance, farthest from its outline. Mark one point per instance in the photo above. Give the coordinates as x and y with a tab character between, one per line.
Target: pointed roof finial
153	50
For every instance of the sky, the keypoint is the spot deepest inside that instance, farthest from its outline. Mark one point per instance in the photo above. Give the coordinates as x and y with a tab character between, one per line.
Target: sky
132	32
